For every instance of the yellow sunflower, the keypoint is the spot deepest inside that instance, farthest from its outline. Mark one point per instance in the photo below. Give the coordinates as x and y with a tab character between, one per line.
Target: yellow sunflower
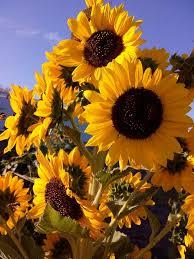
13	200
177	174
154	58
19	125
190	142
90	3
121	191
109	35
53	187
137	116
80	172
56	246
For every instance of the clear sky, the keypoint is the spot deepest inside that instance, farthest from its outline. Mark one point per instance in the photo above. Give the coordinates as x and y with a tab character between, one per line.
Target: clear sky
28	28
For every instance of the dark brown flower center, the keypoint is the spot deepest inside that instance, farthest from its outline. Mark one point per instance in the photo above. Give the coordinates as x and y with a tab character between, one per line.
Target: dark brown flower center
137	114
62	250
148	62
7	203
56	196
26	119
178	164
102	47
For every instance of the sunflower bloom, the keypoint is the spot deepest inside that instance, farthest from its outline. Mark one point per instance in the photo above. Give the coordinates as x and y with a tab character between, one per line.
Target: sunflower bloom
80	172
135	113
109	35
53	188
121	191
90	3
154	58
13	200
19	125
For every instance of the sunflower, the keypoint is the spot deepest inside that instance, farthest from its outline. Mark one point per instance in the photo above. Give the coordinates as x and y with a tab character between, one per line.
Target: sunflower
120	191
190	142
90	3
49	109
53	187
137	116
154	58
80	172
13	200
177	174
109	35
19	125
56	246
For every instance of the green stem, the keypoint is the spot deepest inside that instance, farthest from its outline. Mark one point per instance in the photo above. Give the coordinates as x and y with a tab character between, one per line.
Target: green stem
14	239
170	224
98	196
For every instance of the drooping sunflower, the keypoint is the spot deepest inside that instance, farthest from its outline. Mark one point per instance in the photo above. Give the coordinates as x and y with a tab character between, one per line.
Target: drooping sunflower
120	191
154	58
13	200
56	246
110	34
19	125
135	113
53	187
177	174
80	172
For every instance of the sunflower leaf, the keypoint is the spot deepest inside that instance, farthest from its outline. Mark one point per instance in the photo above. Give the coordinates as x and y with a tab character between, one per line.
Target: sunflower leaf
53	221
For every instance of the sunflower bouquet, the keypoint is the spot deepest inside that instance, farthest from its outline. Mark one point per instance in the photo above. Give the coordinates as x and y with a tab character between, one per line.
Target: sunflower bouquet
101	148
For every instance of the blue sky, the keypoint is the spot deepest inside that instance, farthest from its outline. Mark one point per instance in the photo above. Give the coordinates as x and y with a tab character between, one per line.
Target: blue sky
29	28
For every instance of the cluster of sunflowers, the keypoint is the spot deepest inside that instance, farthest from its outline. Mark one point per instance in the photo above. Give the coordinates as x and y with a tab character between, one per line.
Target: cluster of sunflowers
88	191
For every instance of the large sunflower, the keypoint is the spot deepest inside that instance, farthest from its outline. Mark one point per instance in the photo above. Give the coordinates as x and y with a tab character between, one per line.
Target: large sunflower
53	187
154	58
13	200
177	174
109	35
120	191
137	116
19	125
80	171
56	246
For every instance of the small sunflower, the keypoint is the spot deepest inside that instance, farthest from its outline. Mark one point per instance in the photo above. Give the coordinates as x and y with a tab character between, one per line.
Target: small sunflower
19	125
13	200
80	172
177	174
154	58
121	191
109	35
53	187
49	109
135	113
57	247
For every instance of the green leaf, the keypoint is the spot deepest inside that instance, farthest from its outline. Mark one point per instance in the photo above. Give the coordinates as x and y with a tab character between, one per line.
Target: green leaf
154	223
53	221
